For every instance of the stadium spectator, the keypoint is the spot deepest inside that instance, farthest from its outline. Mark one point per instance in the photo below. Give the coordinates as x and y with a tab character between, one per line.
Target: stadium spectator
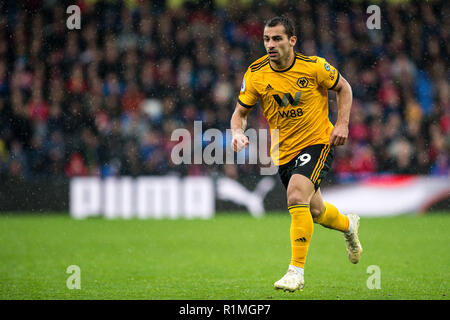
104	100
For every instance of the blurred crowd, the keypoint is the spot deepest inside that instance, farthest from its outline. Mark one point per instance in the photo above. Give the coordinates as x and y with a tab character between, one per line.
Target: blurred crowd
104	100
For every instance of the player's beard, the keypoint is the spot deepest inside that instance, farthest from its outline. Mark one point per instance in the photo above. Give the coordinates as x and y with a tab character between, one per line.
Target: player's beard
280	59
275	58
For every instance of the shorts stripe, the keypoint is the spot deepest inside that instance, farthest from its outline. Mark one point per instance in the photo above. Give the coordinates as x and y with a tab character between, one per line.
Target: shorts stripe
317	164
320	163
324	158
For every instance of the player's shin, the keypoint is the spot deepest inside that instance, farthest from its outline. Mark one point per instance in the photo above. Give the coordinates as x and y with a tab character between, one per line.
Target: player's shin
333	219
301	232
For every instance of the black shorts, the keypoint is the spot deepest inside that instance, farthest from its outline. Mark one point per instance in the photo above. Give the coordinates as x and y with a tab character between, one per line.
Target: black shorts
313	162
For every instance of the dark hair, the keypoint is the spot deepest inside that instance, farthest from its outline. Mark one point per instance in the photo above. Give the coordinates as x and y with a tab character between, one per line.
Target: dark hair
284	21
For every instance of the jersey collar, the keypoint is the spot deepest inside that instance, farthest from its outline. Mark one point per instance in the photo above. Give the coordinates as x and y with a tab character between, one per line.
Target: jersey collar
288	68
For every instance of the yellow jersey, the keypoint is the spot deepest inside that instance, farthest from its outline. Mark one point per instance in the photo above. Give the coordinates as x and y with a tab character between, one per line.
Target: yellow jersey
294	101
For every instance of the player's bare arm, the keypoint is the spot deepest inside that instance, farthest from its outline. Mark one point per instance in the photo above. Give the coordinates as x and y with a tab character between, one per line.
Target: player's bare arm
339	134
238	126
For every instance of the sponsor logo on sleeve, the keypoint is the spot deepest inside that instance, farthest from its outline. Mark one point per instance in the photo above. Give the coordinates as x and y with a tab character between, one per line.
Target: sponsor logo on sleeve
243	86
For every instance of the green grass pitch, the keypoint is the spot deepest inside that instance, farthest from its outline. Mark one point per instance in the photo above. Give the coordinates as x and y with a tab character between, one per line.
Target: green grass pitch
232	256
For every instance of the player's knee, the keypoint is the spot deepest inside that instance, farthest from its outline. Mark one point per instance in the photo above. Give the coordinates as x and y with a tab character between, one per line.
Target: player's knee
315	211
297	198
300	190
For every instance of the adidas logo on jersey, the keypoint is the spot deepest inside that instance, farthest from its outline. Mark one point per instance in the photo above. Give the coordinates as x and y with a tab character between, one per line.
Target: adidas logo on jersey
269	87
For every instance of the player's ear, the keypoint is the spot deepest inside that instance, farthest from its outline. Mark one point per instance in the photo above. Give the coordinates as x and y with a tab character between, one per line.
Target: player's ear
293	40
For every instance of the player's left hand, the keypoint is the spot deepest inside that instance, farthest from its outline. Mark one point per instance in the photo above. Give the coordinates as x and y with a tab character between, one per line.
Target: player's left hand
339	135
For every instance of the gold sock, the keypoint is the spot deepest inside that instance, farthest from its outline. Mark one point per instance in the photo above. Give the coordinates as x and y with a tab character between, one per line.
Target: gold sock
331	218
301	232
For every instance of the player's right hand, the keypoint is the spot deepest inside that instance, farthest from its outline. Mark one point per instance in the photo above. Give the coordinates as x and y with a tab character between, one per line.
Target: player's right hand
239	142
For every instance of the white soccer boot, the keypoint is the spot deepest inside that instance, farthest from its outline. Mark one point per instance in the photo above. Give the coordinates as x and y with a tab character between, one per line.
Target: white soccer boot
352	244
291	281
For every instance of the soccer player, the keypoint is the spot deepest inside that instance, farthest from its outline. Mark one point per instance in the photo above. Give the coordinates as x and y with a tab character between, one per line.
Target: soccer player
293	94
